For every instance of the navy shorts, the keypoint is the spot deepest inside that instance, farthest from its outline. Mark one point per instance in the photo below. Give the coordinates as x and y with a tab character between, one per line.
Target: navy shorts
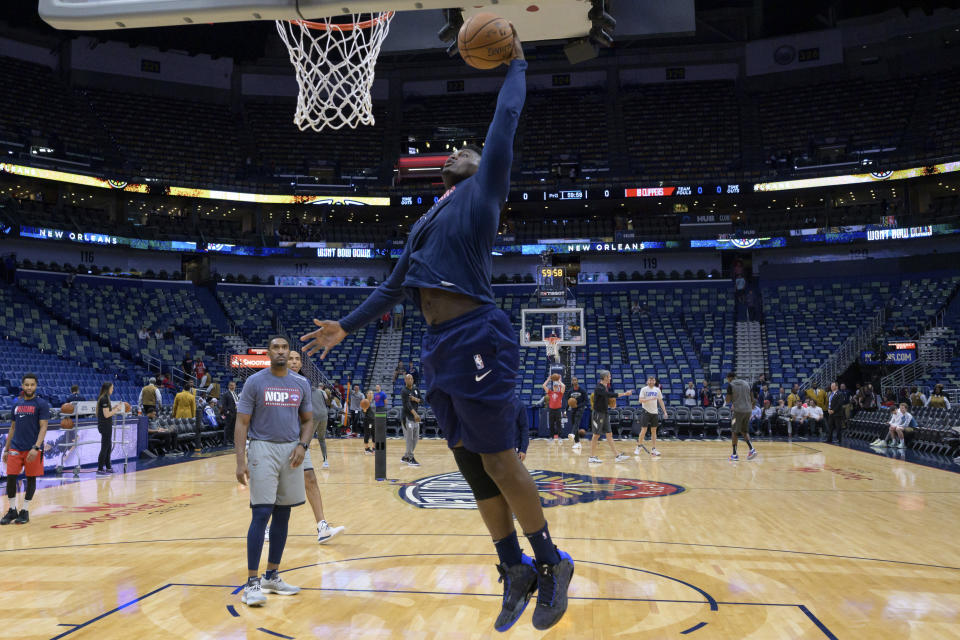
470	372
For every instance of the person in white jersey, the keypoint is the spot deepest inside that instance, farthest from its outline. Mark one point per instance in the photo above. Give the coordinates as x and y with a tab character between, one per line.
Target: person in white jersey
650	397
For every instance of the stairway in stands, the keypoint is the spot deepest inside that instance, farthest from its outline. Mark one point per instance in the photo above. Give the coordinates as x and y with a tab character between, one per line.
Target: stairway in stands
389	342
750	355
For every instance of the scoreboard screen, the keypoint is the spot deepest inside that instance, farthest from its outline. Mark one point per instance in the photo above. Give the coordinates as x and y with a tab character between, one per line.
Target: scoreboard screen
553	279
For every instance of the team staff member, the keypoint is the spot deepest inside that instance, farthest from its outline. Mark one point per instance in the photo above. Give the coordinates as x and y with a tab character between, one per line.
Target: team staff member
554	388
273	402
150	399
601	418
105	413
650	397
185	402
741	399
835	413
229	410
577	400
24	450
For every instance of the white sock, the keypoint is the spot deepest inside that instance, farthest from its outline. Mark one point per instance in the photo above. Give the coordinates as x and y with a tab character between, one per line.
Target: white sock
26	505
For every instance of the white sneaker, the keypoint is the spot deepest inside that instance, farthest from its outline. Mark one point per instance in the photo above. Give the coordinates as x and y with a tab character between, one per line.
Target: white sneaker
325	531
621	457
876	443
266	534
325	465
654	452
278	586
594	460
636	451
577	446
252	595
902	445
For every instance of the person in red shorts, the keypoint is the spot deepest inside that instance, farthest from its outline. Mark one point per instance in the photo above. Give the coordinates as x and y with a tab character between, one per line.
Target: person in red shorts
24	450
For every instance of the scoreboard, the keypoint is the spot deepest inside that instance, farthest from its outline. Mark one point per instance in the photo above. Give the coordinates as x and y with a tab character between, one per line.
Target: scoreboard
552	282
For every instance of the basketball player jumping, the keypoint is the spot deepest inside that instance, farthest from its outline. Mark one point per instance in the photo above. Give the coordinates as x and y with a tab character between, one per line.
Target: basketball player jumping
324	530
271	405
470	355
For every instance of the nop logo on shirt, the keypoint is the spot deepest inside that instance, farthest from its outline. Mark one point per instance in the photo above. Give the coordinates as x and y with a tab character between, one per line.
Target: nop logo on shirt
280	397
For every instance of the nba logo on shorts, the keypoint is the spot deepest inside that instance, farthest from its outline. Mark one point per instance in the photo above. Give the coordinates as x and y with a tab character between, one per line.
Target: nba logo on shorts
478	361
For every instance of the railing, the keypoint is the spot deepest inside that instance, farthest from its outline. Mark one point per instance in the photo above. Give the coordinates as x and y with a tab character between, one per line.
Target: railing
847	353
153	364
927	358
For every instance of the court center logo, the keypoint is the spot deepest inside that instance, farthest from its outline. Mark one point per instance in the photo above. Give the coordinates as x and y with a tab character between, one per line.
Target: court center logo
450	490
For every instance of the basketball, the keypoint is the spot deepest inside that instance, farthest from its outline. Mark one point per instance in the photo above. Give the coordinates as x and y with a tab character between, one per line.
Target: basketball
66	423
555	377
364	404
485	41
583	432
572	403
67	408
612	403
126	407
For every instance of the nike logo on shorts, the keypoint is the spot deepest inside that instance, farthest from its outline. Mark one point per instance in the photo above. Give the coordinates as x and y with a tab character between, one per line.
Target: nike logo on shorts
479	377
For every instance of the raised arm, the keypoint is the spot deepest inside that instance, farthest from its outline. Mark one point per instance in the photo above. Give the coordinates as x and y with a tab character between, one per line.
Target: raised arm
331	333
493	175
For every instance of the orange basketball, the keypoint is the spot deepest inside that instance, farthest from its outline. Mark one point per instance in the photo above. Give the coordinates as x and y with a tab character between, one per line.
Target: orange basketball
66	423
364	404
486	41
572	403
67	408
612	403
555	377
126	407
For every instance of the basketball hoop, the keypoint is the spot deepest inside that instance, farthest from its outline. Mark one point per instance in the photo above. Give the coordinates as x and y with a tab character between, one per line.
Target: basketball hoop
334	63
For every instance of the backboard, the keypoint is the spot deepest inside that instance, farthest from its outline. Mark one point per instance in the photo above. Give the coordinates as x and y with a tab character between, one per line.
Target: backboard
543	20
565	323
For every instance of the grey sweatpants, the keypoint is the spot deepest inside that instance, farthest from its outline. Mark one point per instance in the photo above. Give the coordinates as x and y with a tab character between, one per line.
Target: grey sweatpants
411	434
320	428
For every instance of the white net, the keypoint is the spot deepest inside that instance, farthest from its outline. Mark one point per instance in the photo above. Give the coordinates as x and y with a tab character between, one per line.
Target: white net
335	68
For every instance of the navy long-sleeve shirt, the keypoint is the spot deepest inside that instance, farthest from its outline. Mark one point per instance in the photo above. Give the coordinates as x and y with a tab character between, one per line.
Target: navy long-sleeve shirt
449	246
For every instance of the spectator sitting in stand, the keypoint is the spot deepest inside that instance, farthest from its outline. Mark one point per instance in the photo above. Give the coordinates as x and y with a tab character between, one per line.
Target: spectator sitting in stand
157	334
793	399
890	401
169	334
74	394
161	439
398	372
784	418
206	381
868	400
166	382
769	417
797	420
705	395
210	417
813	416
756	415
414	372
143	334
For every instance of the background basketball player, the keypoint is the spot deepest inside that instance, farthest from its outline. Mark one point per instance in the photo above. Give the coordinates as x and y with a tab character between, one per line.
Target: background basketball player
602	397
272	403
651	399
324	530
24	448
470	354
554	388
577	402
741	399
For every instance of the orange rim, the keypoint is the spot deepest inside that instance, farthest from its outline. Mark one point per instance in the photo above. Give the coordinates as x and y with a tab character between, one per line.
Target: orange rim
323	26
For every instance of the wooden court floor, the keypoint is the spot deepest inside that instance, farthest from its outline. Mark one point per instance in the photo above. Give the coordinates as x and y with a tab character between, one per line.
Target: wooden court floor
807	541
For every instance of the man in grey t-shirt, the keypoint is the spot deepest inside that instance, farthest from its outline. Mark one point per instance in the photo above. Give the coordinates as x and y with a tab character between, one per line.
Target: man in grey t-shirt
741	399
273	402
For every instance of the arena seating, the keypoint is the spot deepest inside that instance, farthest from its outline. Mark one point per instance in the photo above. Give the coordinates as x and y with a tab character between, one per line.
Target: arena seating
330	155
564	127
854	113
186	142
937	432
683	131
114	310
251	309
37	108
